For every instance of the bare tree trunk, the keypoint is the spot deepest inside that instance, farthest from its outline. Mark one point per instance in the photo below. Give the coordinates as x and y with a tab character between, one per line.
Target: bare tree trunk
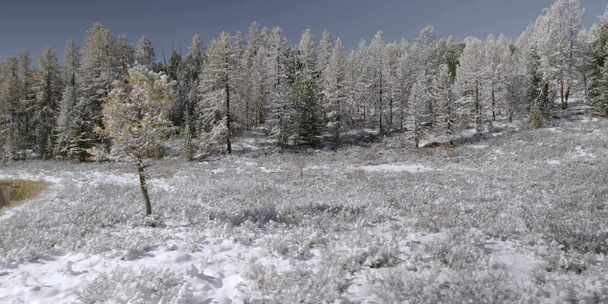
144	186
401	114
390	117
338	125
586	88
228	120
562	95
380	109
493	105
478	119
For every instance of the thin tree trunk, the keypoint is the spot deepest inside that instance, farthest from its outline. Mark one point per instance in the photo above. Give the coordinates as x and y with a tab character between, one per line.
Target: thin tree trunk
390	117
493	105
338	123
562	94
228	120
477	107
380	106
586	88
144	186
401	116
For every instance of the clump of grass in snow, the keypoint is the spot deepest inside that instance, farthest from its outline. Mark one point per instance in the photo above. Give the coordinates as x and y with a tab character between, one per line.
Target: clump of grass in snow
15	191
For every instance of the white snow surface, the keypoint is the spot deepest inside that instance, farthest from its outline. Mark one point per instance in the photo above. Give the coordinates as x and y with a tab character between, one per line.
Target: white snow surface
397	167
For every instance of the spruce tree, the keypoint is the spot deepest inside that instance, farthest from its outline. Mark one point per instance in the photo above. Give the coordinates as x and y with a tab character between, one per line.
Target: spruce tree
144	52
336	91
48	98
98	69
27	99
280	74
217	85
305	94
535	95
65	127
9	106
441	93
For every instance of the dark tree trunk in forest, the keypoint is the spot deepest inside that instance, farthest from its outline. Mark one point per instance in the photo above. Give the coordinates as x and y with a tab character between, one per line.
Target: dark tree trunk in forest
493	105
380	109
228	120
144	186
562	94
390	115
338	123
478	119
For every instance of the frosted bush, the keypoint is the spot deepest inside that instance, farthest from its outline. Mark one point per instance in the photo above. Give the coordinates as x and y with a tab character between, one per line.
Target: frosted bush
145	286
484	284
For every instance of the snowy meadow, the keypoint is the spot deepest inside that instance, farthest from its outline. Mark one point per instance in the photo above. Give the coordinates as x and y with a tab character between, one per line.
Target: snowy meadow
513	217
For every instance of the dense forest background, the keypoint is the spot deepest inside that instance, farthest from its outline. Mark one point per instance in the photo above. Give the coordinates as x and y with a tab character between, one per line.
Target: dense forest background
314	93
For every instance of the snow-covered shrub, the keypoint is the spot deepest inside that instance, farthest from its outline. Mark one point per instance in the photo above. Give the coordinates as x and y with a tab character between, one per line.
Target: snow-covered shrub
261	216
136	287
296	243
574	288
324	284
458	249
577	226
482	284
558	260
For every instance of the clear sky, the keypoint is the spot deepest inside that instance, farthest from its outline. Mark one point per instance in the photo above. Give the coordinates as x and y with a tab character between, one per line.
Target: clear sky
35	24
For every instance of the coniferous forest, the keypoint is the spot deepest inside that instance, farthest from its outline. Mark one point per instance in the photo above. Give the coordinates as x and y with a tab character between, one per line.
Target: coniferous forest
308	93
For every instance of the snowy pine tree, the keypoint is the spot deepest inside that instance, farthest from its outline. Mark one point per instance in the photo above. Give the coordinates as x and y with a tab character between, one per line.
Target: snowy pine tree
217	83
336	91
48	98
98	69
9	106
144	52
441	93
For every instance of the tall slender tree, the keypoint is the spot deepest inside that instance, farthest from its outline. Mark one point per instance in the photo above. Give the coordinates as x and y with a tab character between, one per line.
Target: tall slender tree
48	98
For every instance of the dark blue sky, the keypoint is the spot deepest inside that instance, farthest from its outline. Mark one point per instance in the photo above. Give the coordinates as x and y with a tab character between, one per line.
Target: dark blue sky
34	24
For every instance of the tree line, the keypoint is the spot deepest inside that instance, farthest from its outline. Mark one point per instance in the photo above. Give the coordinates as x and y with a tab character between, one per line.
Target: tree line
313	92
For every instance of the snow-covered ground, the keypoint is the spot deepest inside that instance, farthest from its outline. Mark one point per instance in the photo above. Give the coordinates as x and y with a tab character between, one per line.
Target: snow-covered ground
513	218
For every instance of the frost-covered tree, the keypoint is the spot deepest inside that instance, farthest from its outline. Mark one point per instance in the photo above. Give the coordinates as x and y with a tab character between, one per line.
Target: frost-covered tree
48	97
188	81
358	84
65	128
144	52
418	100
408	72
376	73
27	99
537	89
279	64
217	83
557	33
336	91
441	93
494	72
9	107
305	94
393	80
124	56
324	52
136	118
250	88
599	57
469	82
98	69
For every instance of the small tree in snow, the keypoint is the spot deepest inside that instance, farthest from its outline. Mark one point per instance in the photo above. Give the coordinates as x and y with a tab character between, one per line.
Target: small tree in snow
136	118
